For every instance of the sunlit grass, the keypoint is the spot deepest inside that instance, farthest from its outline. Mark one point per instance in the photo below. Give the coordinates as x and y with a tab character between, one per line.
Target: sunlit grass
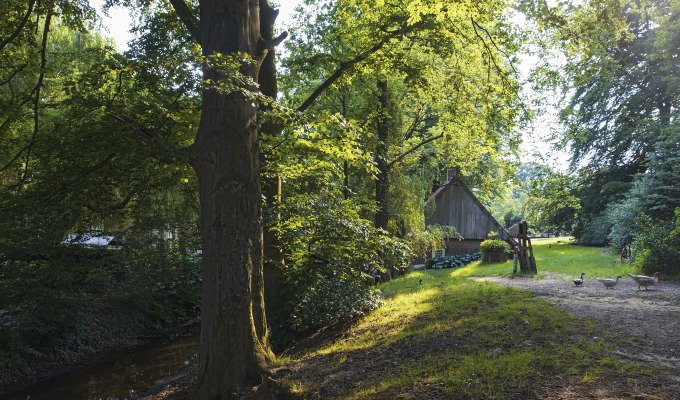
480	268
556	256
404	299
458	376
559	255
447	336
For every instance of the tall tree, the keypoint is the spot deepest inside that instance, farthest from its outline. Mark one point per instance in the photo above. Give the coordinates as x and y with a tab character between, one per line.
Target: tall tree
621	87
234	350
552	207
65	168
431	80
234	347
55	148
623	99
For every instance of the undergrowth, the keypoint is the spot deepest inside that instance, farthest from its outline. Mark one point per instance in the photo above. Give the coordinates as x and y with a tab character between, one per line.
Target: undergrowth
65	303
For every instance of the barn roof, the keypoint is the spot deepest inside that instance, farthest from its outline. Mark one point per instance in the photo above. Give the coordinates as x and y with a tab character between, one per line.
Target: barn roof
457	206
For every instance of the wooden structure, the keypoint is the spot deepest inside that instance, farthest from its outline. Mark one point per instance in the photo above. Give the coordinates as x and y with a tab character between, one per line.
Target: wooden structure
527	262
455	205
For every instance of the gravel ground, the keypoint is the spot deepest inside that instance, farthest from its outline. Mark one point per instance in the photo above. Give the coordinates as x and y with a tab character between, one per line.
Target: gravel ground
648	319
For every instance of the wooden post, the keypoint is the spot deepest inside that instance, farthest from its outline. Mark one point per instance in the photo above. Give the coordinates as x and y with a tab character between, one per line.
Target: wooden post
532	260
527	262
522	249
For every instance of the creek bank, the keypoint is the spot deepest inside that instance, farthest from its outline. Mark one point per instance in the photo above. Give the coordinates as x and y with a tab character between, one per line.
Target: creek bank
52	375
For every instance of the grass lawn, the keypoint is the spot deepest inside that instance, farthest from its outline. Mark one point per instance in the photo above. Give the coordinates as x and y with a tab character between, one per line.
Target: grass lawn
557	256
450	337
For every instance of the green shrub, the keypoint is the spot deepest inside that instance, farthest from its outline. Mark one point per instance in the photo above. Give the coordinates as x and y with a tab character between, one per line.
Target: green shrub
333	258
455	261
656	247
621	216
66	300
493	246
593	231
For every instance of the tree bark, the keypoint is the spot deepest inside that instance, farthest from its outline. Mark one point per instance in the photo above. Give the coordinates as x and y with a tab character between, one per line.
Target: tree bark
272	184
233	351
382	183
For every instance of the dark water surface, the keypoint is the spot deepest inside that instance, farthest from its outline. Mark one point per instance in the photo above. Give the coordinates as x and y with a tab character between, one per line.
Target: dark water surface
125	375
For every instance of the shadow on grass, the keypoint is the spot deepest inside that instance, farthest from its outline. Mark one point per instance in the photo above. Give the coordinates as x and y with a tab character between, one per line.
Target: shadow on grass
453	338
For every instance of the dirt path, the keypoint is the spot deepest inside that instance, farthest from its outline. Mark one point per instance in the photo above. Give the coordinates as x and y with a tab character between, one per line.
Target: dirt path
648	320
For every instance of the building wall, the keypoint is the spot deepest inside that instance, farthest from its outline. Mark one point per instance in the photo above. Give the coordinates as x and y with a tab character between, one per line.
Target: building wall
455	246
456	206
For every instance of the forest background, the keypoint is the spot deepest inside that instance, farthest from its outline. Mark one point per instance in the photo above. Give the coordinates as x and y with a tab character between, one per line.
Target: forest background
378	100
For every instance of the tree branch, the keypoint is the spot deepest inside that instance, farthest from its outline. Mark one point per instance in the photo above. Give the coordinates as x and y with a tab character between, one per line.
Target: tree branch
11	116
187	17
13	74
16	32
344	66
84	172
167	153
475	25
278	40
114	207
413	127
36	104
16	157
412	149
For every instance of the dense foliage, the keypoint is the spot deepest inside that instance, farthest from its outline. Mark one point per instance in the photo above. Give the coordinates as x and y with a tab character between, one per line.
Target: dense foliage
454	261
405	90
620	81
432	86
551	205
493	246
65	302
69	168
647	143
656	246
335	258
388	96
96	141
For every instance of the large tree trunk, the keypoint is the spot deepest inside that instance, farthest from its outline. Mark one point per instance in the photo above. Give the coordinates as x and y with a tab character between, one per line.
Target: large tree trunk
382	183
233	346
272	184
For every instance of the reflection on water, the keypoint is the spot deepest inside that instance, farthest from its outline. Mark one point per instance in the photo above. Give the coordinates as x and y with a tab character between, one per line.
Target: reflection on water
124	375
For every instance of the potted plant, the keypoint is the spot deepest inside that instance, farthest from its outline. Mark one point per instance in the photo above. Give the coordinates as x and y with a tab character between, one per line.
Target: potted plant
494	250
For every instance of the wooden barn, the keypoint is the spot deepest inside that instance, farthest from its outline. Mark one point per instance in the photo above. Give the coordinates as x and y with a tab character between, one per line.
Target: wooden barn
455	205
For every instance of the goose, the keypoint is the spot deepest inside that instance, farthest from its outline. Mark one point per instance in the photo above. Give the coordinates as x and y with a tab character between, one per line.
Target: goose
579	281
609	282
645	280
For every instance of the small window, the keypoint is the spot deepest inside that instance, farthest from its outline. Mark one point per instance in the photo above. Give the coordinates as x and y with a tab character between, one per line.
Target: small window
437	253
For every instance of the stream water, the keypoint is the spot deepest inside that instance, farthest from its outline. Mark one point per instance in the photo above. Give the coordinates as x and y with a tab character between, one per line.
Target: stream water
124	375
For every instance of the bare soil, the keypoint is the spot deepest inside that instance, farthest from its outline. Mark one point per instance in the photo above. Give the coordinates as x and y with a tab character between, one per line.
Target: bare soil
648	321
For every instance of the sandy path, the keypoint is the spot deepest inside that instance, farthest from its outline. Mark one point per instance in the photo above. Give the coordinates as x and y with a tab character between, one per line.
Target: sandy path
649	320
